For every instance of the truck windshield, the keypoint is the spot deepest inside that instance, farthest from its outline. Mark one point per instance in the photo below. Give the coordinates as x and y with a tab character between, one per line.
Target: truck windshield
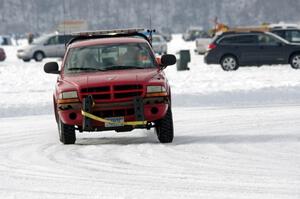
109	57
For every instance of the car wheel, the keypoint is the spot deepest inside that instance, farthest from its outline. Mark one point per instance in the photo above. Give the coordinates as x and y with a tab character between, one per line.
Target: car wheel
38	56
229	63
66	133
295	61
164	128
26	60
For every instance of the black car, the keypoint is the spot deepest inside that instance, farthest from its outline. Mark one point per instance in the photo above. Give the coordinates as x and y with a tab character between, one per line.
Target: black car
234	49
290	34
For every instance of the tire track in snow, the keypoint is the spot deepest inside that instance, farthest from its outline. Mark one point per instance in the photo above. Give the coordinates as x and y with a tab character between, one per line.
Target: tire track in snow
243	153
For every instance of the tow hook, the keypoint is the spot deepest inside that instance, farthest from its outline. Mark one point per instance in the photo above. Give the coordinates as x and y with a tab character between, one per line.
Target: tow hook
149	125
139	108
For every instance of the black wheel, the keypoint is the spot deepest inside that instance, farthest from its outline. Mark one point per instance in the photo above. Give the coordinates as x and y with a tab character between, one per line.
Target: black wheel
38	56
164	128
66	133
295	61
26	60
229	63
55	112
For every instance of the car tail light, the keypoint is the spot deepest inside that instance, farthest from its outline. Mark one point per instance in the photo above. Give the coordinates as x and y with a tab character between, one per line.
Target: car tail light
212	46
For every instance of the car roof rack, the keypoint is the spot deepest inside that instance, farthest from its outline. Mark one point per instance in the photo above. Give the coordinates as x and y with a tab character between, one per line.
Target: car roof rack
98	34
284	28
250	29
242	32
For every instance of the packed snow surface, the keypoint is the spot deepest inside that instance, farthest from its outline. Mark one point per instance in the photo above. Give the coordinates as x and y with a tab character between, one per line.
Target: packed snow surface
236	136
217	153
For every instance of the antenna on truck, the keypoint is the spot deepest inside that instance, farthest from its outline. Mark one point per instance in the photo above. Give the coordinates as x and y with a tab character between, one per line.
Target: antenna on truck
150	31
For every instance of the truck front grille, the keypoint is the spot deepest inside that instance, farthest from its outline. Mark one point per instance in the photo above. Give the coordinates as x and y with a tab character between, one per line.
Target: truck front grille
115	92
127	87
96	89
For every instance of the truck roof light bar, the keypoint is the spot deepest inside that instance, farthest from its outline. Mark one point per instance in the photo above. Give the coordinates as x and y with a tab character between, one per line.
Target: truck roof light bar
108	32
98	34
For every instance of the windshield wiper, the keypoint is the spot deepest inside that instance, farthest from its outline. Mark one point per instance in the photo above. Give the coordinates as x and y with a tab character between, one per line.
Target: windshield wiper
120	67
85	69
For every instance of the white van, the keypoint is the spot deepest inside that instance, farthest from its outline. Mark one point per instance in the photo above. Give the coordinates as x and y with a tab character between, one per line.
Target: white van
51	45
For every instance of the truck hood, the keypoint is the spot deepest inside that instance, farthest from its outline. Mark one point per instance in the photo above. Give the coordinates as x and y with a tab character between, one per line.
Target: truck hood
91	79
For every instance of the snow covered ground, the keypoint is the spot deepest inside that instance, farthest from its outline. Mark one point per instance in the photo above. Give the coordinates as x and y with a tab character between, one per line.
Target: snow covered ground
236	136
217	153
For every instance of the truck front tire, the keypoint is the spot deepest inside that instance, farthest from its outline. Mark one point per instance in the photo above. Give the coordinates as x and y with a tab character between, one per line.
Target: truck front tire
66	133
164	128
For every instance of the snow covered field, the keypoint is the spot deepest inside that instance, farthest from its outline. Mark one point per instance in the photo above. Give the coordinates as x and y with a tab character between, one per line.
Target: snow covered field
236	136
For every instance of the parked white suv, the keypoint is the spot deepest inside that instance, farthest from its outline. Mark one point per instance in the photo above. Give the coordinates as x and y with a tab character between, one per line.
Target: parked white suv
50	45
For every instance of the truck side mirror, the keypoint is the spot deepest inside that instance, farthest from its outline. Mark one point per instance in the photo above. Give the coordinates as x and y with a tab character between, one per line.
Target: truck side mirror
167	60
51	67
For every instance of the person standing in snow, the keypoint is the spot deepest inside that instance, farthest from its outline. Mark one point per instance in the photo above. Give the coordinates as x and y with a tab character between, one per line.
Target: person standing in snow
30	38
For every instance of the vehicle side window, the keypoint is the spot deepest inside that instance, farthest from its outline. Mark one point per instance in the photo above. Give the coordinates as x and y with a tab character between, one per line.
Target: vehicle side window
228	40
280	33
52	40
293	36
63	39
241	39
267	40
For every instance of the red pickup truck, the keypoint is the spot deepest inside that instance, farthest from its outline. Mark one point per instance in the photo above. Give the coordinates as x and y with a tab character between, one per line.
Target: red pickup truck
111	80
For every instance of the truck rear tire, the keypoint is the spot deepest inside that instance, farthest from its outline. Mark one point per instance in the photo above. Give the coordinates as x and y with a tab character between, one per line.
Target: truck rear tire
164	128
66	133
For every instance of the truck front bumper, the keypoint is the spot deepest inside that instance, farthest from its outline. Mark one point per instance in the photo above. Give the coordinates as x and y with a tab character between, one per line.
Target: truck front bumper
153	109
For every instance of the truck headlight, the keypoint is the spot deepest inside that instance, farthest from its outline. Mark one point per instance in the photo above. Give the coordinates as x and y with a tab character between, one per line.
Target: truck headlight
155	89
68	95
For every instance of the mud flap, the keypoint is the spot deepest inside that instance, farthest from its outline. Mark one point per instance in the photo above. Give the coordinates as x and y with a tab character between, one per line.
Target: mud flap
139	109
87	107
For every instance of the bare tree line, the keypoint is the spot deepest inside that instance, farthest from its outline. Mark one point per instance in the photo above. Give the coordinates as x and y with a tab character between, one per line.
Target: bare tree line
170	15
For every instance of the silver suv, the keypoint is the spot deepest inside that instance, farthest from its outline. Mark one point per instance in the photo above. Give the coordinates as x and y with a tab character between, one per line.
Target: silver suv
50	45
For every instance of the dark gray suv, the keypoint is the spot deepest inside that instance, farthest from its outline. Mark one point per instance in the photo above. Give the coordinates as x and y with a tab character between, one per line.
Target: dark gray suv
234	49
